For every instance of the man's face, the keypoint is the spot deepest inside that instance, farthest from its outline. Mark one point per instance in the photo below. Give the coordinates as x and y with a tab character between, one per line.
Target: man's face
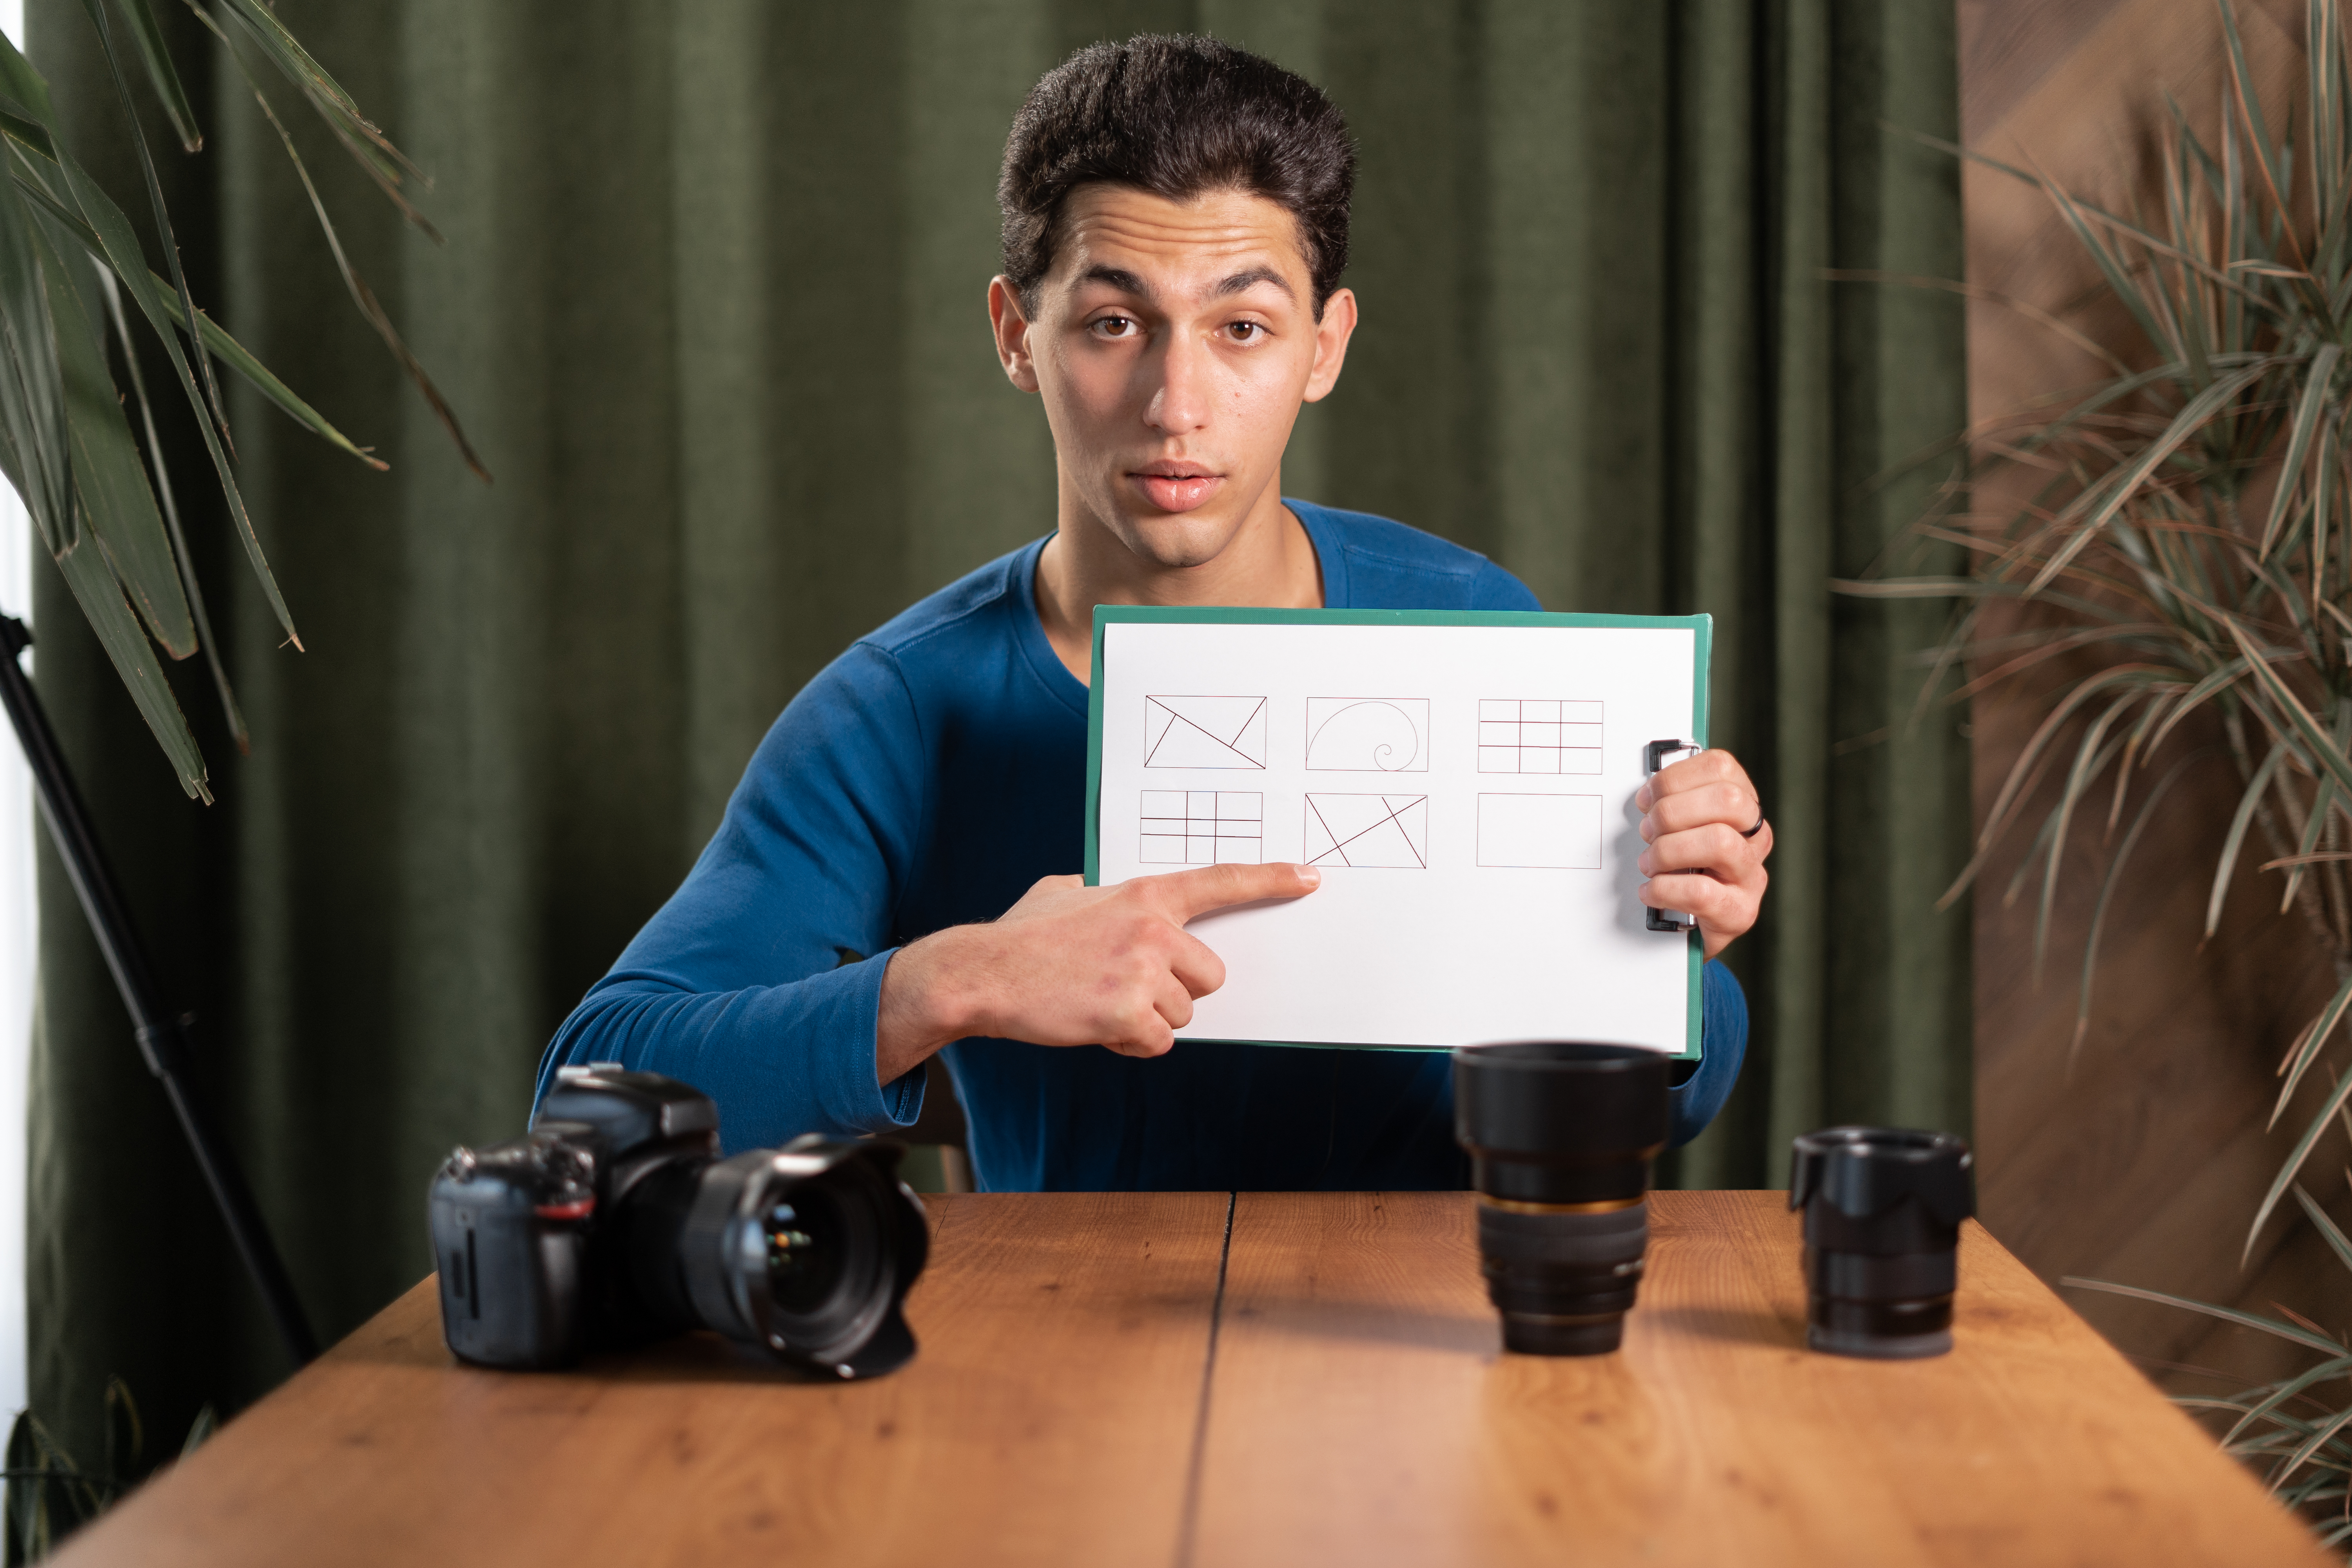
1174	343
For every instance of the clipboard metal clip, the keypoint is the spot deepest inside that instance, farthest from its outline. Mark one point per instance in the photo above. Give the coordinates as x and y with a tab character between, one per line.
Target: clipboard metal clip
1653	757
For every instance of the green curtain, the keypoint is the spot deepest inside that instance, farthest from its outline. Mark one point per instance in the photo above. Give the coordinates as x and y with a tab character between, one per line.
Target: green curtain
711	307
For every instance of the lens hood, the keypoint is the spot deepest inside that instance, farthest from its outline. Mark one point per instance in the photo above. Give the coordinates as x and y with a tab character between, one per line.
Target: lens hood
1561	1122
1560	1135
1883	1209
807	1252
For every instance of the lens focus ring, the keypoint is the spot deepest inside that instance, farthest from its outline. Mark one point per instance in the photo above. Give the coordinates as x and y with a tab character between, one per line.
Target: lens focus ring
1563	1279
1854	1276
1612	1235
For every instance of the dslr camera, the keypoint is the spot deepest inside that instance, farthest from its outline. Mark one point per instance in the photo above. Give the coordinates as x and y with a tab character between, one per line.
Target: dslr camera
614	1222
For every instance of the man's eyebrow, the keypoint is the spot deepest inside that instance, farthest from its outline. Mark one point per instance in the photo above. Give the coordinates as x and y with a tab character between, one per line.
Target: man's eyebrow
1119	278
1127	282
1251	278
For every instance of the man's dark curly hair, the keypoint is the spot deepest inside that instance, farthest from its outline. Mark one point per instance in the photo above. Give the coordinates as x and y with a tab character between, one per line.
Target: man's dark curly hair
1177	117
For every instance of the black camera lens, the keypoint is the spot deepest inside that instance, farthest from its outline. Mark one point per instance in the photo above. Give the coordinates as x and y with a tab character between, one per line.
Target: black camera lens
1561	1135
1883	1210
805	1252
614	1223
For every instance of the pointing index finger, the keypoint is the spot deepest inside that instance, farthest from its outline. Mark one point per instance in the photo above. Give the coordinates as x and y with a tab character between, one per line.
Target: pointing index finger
1187	895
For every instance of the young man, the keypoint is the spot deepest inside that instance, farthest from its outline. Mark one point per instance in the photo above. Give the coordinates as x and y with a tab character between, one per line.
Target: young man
892	878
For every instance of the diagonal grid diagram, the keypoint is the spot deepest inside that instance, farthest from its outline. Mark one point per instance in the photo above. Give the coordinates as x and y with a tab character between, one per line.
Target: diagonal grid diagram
1205	733
1367	831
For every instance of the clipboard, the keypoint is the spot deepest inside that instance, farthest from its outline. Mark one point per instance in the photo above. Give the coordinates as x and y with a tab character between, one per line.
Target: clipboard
1463	778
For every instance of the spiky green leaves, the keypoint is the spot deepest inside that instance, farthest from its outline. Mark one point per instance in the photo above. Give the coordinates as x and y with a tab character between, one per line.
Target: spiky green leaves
64	440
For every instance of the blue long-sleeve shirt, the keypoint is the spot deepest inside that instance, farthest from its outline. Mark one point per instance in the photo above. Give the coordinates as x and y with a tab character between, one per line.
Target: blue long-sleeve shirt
926	778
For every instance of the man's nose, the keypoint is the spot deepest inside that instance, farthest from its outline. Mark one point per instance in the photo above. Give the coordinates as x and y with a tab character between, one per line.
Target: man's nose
1180	403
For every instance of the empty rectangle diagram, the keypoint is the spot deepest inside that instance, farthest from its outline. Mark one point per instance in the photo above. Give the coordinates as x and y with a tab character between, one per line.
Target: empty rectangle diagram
1368	734
1204	732
1202	826
1375	831
1524	735
1539	832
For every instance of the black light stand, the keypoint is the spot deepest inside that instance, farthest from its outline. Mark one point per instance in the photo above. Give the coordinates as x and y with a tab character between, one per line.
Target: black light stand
163	1039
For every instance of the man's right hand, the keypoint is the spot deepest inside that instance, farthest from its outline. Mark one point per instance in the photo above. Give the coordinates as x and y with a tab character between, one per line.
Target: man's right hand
1071	965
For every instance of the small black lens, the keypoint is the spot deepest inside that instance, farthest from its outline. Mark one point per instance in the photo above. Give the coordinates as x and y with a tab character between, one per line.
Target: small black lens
1883	1210
1561	1135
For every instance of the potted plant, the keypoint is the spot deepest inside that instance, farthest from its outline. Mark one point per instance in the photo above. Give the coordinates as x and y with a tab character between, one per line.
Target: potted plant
2183	561
98	489
69	257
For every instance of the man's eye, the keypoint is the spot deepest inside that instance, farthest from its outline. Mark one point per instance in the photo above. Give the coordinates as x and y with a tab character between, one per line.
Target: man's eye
1114	327
1246	331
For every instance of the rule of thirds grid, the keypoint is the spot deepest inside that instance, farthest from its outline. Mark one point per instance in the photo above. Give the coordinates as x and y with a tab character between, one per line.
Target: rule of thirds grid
1518	735
1202	826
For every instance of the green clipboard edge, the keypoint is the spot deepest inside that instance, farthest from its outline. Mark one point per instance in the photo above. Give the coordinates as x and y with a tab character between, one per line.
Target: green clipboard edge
1702	629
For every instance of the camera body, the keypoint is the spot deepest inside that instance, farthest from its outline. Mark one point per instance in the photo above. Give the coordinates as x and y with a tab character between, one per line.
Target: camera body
614	1222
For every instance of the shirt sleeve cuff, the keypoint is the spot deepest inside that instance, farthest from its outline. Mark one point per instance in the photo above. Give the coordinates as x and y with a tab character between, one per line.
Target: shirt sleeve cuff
855	1097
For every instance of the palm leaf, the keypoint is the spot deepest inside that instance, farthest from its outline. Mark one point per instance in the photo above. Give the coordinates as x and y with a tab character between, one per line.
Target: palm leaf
133	657
107	473
2115	864
229	709
2249	802
2284	1390
2308	1045
2319	377
2207	688
119	247
163	235
65	439
2315	745
368	146
2022	772
2121	489
364	297
2311	1444
32	382
34	143
2091	757
2271	1326
2323	803
2294	1160
148	33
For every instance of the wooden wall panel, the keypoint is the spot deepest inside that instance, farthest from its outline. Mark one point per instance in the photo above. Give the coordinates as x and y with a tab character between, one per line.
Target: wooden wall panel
2140	1156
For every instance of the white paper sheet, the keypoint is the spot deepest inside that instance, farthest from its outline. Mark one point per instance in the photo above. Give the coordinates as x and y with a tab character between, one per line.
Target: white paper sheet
1468	792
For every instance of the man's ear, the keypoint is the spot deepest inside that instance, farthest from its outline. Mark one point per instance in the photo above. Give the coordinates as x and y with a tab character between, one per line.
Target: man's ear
1331	335
1011	333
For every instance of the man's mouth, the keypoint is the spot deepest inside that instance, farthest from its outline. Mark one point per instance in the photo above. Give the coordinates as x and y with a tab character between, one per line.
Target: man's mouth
1177	487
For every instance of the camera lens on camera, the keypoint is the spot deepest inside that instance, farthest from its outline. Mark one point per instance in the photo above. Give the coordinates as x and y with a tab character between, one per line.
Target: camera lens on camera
1883	1210
1561	1135
802	1253
614	1223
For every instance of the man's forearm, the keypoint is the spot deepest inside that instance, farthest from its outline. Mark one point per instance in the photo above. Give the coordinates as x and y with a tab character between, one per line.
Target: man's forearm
927	1001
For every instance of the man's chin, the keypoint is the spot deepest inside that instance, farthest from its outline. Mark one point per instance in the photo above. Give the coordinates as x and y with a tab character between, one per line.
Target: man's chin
1178	543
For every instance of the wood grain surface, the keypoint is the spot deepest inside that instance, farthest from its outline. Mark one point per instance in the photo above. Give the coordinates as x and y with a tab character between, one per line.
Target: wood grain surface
1357	1410
1361	1412
1049	1417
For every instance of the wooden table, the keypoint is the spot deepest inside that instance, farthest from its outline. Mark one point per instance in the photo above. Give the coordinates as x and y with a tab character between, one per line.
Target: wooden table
1272	1378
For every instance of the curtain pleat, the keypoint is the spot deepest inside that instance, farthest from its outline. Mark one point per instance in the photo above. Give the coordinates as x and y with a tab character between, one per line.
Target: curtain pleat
711	307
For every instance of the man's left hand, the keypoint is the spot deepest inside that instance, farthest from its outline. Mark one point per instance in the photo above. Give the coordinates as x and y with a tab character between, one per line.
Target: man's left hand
1707	842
